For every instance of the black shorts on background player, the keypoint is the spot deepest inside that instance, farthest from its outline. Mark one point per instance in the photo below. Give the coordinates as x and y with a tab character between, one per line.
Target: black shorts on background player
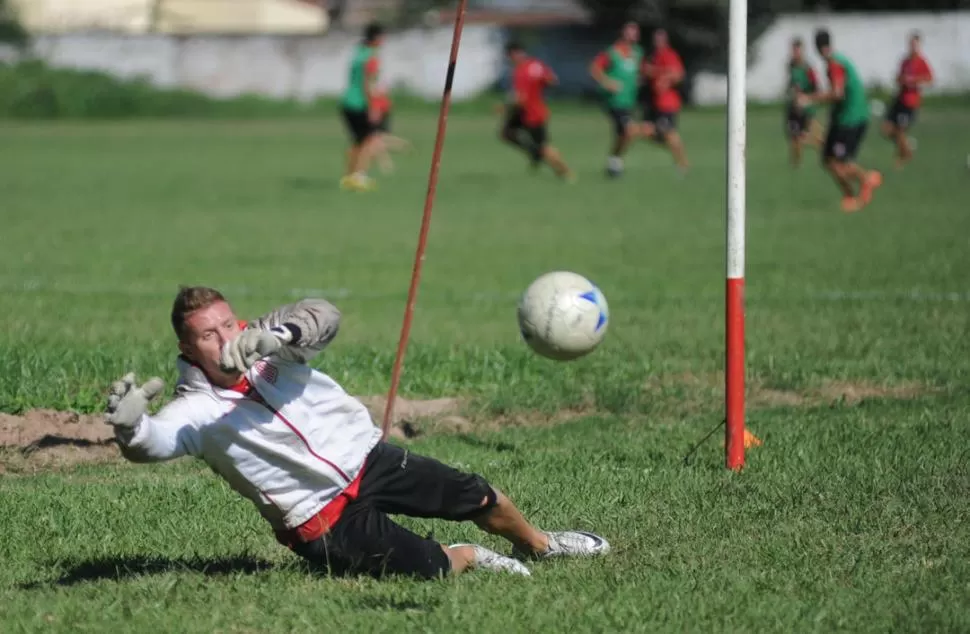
384	125
663	124
358	122
621	118
514	123
901	116
397	482
842	143
796	122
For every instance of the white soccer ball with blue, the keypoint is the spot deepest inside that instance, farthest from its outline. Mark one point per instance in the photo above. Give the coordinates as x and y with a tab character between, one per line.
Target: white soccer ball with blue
563	316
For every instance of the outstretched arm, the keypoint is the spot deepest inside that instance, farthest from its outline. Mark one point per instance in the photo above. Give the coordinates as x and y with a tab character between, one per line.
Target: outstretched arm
170	434
313	324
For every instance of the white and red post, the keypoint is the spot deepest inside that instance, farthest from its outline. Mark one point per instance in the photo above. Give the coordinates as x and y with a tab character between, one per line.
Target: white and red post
734	307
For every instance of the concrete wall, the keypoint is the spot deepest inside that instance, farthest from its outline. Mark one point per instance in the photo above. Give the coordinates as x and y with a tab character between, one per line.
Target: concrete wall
875	44
174	16
306	67
301	67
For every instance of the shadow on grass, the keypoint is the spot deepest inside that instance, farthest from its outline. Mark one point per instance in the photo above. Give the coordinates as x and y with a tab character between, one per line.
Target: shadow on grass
121	568
492	445
49	441
397	604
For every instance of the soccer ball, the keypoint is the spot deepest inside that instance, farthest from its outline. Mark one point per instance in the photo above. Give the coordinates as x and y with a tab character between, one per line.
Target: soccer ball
563	316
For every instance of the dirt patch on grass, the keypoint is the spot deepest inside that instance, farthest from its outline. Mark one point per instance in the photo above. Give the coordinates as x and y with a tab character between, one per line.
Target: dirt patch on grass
698	390
411	416
45	438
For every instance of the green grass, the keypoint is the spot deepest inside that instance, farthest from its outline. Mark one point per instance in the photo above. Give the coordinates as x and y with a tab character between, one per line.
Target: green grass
852	516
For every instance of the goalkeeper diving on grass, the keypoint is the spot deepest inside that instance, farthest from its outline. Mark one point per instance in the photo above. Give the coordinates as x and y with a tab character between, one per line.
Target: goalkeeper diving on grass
307	454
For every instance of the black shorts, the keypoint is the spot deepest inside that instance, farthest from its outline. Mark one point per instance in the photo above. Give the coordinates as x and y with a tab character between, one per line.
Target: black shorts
515	123
842	143
663	124
901	116
384	125
621	118
359	125
365	540
797	122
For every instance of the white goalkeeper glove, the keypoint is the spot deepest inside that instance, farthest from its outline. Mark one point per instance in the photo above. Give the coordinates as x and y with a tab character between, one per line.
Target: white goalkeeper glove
252	345
127	402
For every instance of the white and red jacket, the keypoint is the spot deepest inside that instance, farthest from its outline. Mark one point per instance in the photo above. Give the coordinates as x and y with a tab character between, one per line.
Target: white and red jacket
287	437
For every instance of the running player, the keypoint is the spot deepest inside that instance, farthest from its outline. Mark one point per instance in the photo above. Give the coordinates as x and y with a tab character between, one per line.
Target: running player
616	70
801	126
386	142
664	71
847	128
914	75
361	120
527	117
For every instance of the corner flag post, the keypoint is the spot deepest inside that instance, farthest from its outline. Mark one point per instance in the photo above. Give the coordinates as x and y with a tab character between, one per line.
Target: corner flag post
425	218
734	305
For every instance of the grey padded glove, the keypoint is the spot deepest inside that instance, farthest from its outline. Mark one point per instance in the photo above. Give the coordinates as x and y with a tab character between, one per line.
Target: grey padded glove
127	402
252	345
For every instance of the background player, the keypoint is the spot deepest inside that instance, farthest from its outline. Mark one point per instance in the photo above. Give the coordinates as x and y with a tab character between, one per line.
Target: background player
914	75
847	128
616	70
664	71
801	126
527	116
360	119
385	143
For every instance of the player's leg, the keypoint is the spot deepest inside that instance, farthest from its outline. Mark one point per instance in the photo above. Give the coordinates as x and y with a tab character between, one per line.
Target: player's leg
382	152
666	124
364	145
366	541
814	134
410	484
624	130
793	133
548	153
851	172
513	129
869	180
833	160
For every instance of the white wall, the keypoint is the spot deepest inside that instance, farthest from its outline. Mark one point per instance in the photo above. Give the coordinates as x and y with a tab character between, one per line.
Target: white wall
306	67
302	67
874	44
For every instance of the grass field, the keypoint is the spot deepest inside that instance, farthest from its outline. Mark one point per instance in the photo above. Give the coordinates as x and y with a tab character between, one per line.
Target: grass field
854	515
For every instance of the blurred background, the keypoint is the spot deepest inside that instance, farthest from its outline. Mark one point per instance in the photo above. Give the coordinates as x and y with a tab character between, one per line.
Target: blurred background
297	50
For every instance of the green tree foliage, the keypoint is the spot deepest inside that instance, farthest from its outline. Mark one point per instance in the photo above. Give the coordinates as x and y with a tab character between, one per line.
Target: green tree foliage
11	31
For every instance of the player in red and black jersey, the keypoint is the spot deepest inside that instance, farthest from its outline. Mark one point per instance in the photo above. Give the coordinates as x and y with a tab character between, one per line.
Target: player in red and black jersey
662	73
914	75
527	114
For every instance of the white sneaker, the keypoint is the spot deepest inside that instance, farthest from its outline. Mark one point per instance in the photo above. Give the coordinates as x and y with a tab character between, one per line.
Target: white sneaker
491	560
571	544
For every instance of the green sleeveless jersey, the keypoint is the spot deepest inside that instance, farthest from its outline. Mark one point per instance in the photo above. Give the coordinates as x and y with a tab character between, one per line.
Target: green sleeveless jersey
625	70
802	79
853	110
355	96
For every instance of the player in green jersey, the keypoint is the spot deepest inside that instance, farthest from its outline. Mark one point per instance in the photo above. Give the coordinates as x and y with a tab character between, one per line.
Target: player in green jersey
617	72
847	128
358	109
801	126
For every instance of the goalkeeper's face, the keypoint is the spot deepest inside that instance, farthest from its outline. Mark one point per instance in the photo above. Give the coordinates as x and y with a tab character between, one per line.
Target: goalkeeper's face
207	330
